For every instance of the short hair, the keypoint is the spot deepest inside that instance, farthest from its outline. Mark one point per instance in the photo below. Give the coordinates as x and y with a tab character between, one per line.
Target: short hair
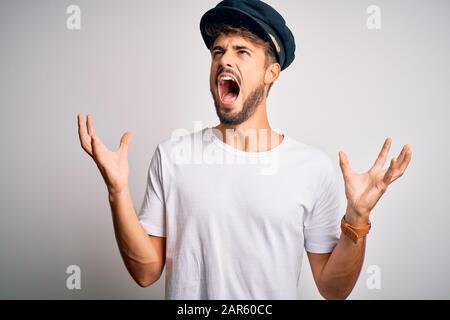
215	30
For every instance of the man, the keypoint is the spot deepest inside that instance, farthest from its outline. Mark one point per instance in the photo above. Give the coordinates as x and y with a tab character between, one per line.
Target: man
224	227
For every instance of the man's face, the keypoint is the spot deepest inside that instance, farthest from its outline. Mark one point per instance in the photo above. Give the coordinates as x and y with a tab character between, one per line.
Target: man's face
237	78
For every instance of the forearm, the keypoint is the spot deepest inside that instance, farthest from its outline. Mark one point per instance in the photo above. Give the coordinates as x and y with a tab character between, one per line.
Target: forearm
343	267
337	277
136	248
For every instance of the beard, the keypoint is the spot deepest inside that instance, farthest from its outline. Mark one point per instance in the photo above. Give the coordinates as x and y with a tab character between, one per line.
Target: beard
249	107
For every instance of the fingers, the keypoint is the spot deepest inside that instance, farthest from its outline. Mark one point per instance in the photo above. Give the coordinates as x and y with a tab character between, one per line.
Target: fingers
405	158
381	159
402	154
85	139
90	125
344	164
125	142
398	165
89	140
96	146
389	175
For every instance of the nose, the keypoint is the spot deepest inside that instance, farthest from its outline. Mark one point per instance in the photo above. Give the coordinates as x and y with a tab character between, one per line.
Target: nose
226	60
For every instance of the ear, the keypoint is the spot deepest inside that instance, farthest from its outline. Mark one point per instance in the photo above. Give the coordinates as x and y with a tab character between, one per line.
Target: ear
272	73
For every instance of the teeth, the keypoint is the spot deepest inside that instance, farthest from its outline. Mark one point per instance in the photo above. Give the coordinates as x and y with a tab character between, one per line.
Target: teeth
226	77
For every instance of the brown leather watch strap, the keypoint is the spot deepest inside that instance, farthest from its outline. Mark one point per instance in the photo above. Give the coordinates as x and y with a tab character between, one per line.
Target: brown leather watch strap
354	233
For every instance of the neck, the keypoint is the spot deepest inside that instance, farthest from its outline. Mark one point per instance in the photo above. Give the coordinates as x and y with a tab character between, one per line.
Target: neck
253	135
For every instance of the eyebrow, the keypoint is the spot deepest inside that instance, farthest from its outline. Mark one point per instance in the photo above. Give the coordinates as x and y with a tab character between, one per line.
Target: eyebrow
235	47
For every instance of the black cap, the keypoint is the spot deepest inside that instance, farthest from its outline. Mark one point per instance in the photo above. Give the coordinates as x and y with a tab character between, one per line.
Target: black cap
258	17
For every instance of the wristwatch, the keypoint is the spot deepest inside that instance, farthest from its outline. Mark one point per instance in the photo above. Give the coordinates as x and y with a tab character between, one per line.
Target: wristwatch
354	233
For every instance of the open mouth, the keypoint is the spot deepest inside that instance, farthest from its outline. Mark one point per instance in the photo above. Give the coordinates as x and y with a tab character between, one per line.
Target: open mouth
228	88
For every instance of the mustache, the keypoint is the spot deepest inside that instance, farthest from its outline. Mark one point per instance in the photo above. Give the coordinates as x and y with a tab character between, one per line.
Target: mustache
230	71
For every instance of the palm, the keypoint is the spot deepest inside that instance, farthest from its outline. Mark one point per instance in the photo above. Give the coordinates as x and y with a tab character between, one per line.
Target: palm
113	165
363	190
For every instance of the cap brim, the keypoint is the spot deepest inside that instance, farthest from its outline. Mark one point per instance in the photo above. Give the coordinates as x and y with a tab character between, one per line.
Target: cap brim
235	17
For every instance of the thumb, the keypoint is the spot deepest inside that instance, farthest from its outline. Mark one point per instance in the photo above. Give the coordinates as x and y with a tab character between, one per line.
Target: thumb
125	141
344	164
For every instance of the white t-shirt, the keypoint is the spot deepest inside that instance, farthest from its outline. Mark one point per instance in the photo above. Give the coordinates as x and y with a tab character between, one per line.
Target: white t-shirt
237	223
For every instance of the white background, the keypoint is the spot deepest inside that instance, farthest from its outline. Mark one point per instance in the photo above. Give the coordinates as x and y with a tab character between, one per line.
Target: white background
142	66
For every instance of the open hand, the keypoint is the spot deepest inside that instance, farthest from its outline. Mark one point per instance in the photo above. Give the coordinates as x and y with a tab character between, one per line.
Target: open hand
363	190
113	165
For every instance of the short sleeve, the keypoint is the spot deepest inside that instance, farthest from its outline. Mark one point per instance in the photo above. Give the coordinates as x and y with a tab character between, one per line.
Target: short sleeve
152	213
321	226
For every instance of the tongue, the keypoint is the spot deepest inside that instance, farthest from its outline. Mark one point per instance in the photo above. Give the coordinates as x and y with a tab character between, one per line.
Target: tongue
227	95
229	98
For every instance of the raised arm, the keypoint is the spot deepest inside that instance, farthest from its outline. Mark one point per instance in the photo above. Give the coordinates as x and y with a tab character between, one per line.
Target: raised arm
143	254
336	273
